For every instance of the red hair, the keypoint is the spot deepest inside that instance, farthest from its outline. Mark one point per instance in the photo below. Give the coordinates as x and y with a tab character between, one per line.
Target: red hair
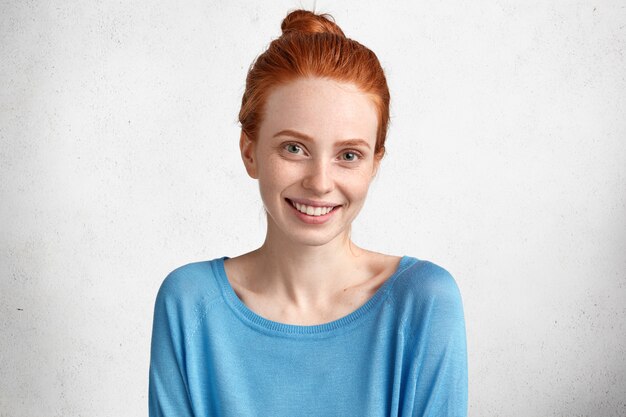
314	46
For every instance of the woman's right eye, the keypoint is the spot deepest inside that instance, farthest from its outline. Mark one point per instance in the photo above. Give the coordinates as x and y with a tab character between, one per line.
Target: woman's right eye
292	148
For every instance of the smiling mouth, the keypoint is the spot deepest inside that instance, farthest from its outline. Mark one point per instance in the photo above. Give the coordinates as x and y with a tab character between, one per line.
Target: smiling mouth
313	211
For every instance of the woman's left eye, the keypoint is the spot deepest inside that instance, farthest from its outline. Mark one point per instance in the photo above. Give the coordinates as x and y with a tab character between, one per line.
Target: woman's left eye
350	156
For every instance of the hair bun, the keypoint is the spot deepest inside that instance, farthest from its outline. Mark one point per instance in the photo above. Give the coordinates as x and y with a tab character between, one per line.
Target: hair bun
304	21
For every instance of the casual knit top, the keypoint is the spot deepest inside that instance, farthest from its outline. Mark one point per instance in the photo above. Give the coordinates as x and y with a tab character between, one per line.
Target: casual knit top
403	353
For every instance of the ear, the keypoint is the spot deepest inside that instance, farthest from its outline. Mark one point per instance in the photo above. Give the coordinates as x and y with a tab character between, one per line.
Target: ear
247	148
376	166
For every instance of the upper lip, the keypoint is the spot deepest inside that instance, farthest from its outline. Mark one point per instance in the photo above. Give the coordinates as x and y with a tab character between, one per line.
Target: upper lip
313	203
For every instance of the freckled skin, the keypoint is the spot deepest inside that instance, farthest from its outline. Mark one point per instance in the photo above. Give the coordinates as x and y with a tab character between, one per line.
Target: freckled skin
317	169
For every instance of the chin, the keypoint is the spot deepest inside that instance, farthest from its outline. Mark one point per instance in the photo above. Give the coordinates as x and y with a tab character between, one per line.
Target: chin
308	237
312	241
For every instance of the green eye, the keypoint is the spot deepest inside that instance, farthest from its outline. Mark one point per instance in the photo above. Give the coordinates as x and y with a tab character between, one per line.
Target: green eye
292	148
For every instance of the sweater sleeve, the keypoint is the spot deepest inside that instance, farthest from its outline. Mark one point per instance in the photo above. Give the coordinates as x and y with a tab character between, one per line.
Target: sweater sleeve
440	358
168	394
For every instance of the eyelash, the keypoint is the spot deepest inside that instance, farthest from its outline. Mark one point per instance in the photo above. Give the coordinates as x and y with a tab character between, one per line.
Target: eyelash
357	154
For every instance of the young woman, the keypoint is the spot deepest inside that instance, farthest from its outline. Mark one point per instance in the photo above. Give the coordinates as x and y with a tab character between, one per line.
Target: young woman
310	324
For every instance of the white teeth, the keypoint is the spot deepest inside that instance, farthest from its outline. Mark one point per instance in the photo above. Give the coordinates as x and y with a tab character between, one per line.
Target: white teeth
310	210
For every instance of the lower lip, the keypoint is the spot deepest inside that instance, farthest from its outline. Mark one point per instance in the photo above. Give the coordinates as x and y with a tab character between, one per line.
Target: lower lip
313	219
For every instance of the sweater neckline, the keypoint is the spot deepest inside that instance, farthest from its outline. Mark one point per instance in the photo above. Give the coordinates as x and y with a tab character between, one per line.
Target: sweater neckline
244	312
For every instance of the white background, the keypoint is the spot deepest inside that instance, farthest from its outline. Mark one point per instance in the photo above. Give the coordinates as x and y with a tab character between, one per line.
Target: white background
506	165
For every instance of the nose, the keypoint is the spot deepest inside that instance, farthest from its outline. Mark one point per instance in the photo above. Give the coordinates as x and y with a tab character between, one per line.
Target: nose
319	178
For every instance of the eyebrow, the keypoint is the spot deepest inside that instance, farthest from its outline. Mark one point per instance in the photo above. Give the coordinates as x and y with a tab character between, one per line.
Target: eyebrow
303	136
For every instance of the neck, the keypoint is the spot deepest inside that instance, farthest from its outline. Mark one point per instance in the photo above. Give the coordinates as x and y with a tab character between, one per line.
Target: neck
307	275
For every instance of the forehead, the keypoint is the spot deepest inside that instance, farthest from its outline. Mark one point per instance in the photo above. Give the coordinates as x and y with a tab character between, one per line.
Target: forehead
321	108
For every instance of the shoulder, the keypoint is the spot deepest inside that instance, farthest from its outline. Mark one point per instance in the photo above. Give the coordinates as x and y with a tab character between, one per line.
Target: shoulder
425	280
424	290
197	280
183	300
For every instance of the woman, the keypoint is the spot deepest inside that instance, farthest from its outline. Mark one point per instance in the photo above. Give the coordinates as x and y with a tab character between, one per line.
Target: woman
310	324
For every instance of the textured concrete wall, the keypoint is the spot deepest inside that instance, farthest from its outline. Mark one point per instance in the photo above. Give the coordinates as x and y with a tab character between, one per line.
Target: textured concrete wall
506	165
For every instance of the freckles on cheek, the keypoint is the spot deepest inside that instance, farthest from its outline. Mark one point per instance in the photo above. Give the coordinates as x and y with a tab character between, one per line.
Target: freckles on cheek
363	178
274	173
272	176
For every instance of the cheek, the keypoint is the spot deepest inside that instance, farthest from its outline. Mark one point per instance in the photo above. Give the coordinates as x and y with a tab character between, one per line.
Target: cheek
356	189
360	182
273	178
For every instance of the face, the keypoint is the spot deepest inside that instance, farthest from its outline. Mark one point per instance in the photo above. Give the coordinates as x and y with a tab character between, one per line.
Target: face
314	158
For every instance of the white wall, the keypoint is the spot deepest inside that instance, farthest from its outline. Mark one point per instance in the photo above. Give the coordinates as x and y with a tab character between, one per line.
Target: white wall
506	165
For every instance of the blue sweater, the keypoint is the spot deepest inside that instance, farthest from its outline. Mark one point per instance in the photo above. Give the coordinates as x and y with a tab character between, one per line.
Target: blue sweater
403	353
